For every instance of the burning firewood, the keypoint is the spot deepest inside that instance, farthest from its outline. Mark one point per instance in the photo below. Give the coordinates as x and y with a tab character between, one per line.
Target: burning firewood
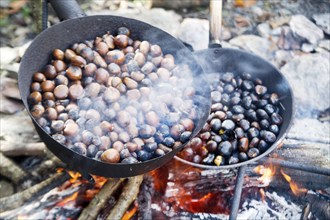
100	200
14	201
129	194
9	169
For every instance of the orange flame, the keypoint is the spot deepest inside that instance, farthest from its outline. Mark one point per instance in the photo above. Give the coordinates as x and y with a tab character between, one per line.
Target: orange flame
68	199
266	172
297	191
99	181
59	170
130	213
74	176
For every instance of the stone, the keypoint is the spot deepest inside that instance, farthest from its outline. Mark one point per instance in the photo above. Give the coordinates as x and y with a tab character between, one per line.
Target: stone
288	40
166	20
277	22
323	21
276	31
281	57
188	29
252	43
306	47
225	44
9	106
191	26
23	48
306	29
8	87
12	69
325	44
308	75
7	55
12	92
264	30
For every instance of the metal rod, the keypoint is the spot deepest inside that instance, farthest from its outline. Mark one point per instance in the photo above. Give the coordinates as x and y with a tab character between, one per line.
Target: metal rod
237	193
297	166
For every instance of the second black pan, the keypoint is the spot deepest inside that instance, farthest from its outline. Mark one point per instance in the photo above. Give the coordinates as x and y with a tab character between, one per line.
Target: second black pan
220	60
71	31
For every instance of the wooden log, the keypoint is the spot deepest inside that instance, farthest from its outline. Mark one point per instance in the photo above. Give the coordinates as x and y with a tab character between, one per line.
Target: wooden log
9	169
145	198
18	199
21	149
100	200
129	194
306	153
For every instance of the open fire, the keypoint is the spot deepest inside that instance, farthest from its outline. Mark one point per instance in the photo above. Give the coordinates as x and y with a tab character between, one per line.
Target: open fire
177	190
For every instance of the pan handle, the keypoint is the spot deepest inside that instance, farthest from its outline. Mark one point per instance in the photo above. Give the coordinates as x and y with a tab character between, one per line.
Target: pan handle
215	23
67	9
237	193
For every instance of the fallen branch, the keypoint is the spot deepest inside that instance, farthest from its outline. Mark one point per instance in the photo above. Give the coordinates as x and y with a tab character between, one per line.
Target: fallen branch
19	149
129	194
18	199
100	200
9	169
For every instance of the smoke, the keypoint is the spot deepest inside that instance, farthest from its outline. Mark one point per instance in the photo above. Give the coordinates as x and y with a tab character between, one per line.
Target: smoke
152	95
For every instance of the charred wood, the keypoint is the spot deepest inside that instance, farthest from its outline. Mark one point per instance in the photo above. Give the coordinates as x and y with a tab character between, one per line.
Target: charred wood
15	200
129	194
145	198
100	200
319	207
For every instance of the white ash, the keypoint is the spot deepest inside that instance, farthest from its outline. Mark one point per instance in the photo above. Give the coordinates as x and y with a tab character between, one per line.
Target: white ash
274	207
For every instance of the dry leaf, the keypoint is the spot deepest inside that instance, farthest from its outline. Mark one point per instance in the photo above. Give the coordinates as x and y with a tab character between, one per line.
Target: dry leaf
244	3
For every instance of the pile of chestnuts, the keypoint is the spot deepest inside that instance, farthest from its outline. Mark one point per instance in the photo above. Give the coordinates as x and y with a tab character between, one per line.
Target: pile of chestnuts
244	122
115	99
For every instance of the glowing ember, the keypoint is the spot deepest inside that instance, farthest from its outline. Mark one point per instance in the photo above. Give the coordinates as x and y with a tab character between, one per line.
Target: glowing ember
68	199
266	172
294	187
130	213
211	202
